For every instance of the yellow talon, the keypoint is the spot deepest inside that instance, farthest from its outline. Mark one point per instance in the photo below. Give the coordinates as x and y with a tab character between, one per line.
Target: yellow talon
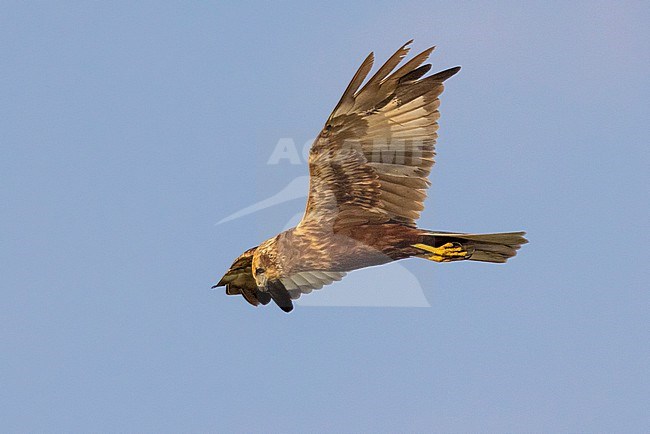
445	253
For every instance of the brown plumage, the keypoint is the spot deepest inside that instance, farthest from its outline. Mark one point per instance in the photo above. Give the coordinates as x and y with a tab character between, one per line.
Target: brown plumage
369	171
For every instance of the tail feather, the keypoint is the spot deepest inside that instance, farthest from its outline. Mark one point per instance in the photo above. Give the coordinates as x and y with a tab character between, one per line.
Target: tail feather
497	248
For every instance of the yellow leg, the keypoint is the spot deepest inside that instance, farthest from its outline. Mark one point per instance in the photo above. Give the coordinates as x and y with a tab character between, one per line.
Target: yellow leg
445	253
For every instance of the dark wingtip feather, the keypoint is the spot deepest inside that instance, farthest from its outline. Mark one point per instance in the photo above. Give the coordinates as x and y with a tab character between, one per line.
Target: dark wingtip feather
263	297
250	297
285	305
280	295
415	74
222	282
444	75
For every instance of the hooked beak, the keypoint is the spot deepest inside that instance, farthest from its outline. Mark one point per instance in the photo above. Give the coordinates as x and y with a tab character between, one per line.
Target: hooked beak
262	282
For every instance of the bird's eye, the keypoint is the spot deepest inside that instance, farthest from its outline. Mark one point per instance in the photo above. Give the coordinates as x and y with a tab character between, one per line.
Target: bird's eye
259	271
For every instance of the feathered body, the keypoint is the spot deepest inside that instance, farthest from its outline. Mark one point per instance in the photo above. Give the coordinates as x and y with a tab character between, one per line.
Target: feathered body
369	172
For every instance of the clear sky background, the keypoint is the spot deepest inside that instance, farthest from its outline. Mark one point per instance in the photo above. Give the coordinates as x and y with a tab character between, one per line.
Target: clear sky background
129	129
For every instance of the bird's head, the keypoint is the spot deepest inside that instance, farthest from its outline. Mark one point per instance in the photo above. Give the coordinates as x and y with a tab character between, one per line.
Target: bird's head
264	265
239	280
267	270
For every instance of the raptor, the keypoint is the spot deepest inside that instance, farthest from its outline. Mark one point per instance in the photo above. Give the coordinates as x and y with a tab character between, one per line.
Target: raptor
369	169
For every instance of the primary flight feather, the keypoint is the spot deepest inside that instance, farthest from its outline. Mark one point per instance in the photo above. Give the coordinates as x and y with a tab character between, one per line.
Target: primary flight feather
369	171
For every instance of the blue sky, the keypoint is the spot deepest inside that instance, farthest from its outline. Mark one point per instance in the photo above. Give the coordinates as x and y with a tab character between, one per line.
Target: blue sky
128	130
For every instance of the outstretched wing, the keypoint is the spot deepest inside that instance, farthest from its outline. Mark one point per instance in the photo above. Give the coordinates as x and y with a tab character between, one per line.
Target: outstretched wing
371	161
239	280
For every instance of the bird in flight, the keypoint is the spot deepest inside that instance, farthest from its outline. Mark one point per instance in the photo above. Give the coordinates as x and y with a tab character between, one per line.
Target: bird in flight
368	169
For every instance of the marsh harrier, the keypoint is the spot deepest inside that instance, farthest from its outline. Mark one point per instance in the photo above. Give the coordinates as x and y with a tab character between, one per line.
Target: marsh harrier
369	171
